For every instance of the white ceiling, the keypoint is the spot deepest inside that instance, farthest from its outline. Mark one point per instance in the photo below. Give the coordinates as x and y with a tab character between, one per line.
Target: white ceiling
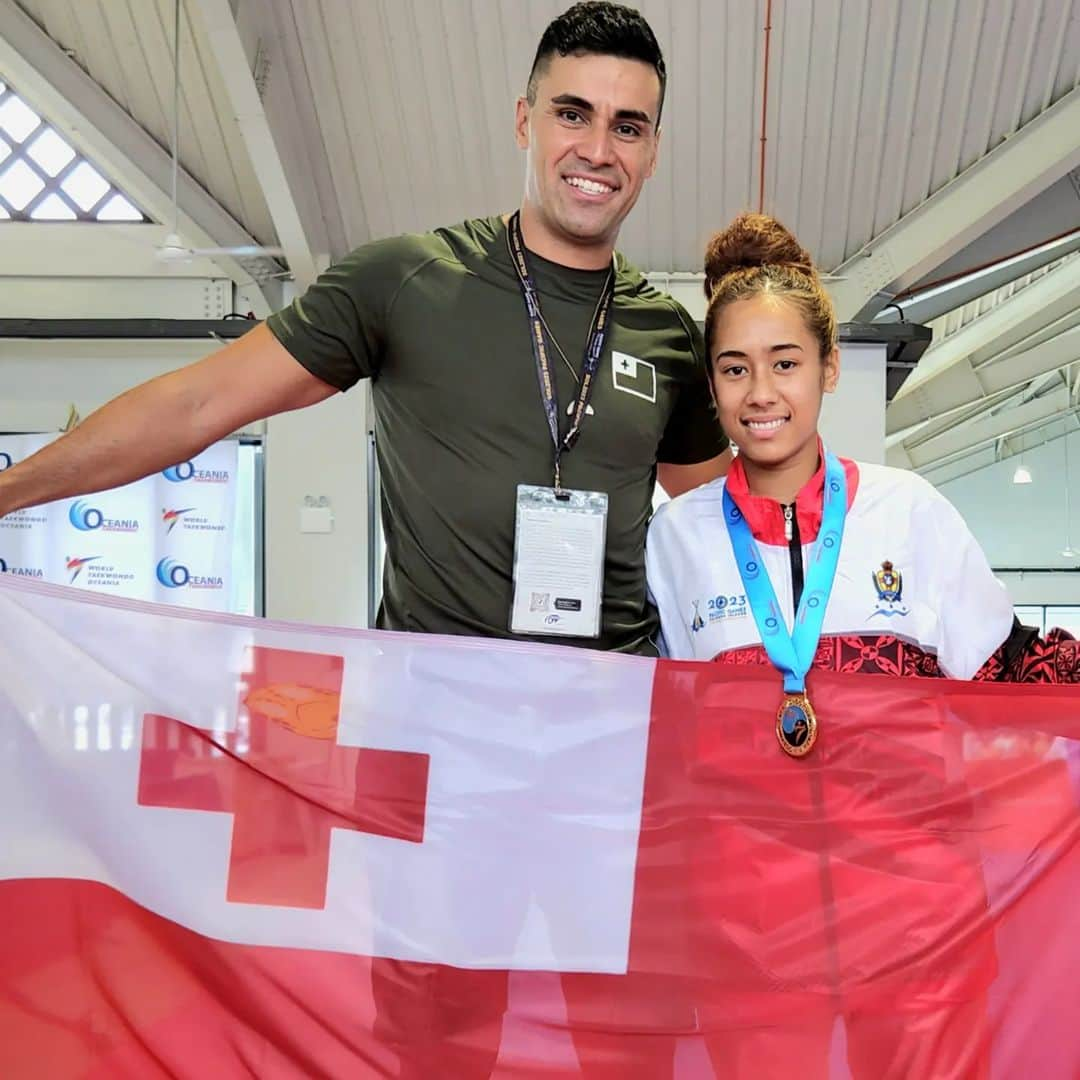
899	136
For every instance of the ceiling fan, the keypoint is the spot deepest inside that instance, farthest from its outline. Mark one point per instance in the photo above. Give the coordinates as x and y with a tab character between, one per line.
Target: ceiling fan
172	249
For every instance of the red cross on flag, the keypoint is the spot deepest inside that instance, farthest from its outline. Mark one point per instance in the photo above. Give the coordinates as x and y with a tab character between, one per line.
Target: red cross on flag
235	848
284	778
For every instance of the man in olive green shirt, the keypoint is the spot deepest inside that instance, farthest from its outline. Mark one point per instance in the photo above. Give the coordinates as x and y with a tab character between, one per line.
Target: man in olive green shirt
439	324
460	421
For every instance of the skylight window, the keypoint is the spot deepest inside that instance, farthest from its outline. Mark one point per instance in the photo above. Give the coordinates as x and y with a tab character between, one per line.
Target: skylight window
44	178
20	185
51	152
85	185
119	209
17	118
52	208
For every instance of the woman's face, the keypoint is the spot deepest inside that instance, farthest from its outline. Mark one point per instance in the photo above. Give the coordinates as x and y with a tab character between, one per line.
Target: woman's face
768	377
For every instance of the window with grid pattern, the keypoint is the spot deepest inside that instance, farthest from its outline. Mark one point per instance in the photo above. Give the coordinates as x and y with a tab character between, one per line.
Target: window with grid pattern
44	178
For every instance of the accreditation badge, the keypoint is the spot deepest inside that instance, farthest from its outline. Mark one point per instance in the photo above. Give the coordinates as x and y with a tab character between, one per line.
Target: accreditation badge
559	539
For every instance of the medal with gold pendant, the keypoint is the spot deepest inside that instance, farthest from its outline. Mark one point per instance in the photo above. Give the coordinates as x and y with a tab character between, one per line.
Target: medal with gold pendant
796	725
792	652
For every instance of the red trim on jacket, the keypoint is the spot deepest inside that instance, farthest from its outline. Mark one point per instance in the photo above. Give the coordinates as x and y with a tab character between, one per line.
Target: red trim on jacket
1053	659
766	516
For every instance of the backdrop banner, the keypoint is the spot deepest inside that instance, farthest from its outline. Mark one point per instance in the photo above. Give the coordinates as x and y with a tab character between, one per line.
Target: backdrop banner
166	538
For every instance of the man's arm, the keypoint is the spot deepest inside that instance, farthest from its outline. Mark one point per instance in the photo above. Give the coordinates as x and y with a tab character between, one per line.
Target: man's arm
166	420
677	479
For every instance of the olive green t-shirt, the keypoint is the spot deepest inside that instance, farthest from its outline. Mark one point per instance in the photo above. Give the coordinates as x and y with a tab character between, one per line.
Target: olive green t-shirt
438	323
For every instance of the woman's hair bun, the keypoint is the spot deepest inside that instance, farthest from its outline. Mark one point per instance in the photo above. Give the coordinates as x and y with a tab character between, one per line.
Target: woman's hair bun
750	241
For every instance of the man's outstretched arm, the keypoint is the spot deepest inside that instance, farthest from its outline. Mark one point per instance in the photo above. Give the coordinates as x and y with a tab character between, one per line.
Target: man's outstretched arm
166	420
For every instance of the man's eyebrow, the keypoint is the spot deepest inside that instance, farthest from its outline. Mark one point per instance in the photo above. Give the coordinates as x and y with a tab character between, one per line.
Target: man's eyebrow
584	106
572	99
633	114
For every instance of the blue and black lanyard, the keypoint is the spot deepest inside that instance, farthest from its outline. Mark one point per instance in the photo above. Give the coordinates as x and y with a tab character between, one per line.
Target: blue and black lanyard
538	337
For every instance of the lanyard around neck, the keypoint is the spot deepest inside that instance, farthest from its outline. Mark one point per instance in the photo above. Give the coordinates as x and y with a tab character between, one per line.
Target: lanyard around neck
538	338
793	652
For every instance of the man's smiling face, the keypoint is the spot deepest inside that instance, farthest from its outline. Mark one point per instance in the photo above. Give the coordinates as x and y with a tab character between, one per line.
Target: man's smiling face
591	139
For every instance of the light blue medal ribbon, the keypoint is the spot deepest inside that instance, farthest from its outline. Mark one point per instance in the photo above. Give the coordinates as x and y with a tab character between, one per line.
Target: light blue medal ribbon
793	653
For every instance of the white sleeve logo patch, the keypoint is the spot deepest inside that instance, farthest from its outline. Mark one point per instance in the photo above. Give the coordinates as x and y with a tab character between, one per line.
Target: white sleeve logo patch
633	376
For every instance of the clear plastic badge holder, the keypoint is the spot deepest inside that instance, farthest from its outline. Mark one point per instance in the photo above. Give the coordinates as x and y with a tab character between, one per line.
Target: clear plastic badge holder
559	540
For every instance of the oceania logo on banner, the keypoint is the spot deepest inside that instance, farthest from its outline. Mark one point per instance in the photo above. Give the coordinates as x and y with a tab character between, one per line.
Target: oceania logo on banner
175	575
20	571
5	460
86	518
186	470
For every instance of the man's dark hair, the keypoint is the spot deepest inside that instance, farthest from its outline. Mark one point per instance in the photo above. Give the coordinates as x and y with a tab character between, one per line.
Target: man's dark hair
603	28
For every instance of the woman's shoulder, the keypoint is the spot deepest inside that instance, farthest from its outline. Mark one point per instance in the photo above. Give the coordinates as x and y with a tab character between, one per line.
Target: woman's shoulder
707	500
901	485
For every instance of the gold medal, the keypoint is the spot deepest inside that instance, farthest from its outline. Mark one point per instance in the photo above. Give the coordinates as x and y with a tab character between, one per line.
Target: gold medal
796	725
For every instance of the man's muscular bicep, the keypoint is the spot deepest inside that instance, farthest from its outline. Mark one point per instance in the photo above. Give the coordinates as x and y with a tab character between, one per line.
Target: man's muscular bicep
253	378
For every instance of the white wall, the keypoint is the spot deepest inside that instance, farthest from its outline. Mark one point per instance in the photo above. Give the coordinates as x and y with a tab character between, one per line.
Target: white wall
320	577
853	418
1024	525
41	378
321	451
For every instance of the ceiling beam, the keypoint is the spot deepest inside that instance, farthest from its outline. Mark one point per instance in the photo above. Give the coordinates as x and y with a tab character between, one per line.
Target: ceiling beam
912	436
958	467
1016	170
236	67
936	301
966	385
78	107
948	373
1025	230
957	441
1033	388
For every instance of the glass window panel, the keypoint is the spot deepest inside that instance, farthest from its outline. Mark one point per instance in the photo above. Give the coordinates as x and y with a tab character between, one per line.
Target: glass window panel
85	185
19	184
119	209
1067	617
35	158
1030	615
53	208
17	118
51	152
